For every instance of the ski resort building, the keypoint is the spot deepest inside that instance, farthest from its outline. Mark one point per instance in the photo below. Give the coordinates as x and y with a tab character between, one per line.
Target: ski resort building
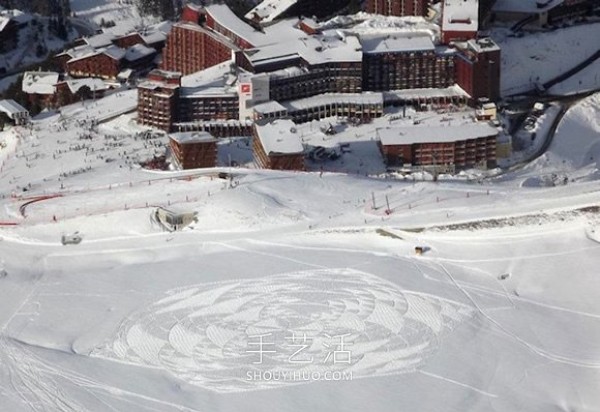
396	62
460	20
191	48
363	106
444	148
105	64
277	146
398	7
193	150
478	68
217	128
163	101
307	73
112	57
17	113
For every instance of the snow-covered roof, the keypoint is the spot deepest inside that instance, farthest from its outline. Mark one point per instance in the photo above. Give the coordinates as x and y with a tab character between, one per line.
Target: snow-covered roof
153	85
39	82
213	81
460	15
331	46
271	106
85	52
269	10
279	137
290	71
4	22
153	37
15	15
414	94
114	52
437	134
328	47
11	108
125	74
79	51
99	40
482	45
191	92
396	43
93	84
214	75
192	137
332	99
138	51
227	18
163	26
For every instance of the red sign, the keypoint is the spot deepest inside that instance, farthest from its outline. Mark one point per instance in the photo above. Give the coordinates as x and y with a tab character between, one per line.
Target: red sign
246	88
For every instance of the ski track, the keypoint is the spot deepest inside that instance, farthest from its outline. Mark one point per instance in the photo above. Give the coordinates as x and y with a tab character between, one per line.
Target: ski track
541	352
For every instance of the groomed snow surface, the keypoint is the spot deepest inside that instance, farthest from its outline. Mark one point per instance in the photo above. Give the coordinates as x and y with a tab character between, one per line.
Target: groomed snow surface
292	291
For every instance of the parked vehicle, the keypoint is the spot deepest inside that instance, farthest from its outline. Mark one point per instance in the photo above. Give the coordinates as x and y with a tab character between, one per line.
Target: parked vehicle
72	239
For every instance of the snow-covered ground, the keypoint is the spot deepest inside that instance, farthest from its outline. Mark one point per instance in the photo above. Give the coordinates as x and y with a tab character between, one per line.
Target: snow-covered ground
575	150
291	291
364	24
124	13
36	42
540	57
586	80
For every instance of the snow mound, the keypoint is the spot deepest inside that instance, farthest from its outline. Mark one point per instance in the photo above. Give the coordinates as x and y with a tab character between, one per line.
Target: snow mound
576	145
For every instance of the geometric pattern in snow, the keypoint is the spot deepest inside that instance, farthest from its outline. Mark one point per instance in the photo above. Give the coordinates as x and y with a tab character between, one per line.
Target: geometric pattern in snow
313	324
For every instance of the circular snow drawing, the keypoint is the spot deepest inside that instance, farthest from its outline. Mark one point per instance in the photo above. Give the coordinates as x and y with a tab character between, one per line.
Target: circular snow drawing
332	324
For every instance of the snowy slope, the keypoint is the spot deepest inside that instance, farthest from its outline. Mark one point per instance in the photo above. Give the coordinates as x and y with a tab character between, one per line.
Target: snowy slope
575	150
124	14
586	80
500	313
540	57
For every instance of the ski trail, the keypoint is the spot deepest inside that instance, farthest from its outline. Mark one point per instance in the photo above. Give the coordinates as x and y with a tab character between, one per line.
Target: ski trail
541	352
37	376
464	385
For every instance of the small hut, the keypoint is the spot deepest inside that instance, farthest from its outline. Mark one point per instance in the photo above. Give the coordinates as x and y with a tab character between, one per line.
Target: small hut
174	220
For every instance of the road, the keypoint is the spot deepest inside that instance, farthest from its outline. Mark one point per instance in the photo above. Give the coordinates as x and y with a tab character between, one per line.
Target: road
566	103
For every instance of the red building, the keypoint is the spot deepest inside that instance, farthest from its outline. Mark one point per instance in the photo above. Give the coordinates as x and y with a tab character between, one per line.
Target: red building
460	20
191	48
276	146
49	90
398	7
193	150
163	102
478	68
191	13
443	148
206	36
400	62
220	19
158	99
105	64
129	40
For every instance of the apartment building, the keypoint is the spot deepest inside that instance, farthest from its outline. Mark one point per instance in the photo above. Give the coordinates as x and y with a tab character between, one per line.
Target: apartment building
398	7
